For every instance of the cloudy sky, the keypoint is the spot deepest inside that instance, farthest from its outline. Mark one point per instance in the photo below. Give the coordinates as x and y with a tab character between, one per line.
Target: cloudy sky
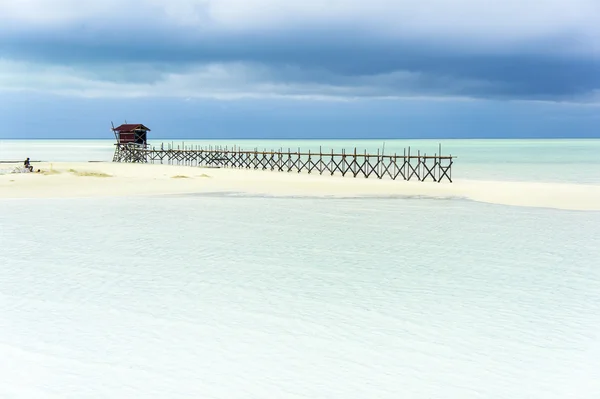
288	68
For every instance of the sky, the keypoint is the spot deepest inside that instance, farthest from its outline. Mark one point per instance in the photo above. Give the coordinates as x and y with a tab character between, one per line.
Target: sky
300	69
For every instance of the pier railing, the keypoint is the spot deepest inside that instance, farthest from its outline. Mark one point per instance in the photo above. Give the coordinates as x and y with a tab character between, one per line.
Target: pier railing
405	166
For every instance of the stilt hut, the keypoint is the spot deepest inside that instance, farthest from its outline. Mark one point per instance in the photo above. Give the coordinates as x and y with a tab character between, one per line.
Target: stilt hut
130	138
131	133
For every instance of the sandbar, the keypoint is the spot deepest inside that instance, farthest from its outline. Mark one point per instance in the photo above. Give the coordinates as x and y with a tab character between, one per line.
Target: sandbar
108	179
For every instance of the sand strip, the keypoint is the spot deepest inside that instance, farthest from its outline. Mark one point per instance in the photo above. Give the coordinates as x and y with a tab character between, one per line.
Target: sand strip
107	179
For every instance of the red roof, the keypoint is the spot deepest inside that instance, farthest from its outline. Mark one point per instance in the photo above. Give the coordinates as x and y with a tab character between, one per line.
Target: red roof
129	127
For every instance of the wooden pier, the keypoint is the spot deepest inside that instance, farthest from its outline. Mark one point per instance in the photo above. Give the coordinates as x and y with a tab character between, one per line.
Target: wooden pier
405	166
132	146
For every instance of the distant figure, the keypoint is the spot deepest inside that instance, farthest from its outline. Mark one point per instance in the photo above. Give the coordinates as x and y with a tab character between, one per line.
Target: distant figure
28	165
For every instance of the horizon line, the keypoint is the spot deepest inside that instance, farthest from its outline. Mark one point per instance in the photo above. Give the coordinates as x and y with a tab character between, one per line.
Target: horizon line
318	138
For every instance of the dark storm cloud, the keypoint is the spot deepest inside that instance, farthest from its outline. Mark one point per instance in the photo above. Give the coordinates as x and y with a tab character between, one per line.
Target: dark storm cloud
359	62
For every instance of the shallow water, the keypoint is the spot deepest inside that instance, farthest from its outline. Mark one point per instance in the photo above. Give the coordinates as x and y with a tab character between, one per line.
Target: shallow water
227	297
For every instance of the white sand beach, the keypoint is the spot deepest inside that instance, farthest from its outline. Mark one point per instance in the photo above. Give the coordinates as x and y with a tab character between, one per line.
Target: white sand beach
107	179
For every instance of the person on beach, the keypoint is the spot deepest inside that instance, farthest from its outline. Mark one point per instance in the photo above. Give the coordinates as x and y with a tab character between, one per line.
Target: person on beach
28	165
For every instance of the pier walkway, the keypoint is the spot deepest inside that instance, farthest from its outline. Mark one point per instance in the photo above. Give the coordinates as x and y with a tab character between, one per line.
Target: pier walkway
405	166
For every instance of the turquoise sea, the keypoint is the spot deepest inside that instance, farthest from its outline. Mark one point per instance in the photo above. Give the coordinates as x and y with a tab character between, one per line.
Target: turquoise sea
215	296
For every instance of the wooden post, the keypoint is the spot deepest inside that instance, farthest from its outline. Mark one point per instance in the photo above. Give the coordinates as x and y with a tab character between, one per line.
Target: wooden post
320	161
408	166
377	166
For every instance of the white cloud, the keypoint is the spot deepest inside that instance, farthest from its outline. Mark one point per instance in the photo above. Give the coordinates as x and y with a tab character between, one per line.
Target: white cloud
473	21
510	18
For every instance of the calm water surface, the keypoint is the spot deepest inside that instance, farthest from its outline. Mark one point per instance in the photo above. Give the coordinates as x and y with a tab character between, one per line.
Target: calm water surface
221	297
